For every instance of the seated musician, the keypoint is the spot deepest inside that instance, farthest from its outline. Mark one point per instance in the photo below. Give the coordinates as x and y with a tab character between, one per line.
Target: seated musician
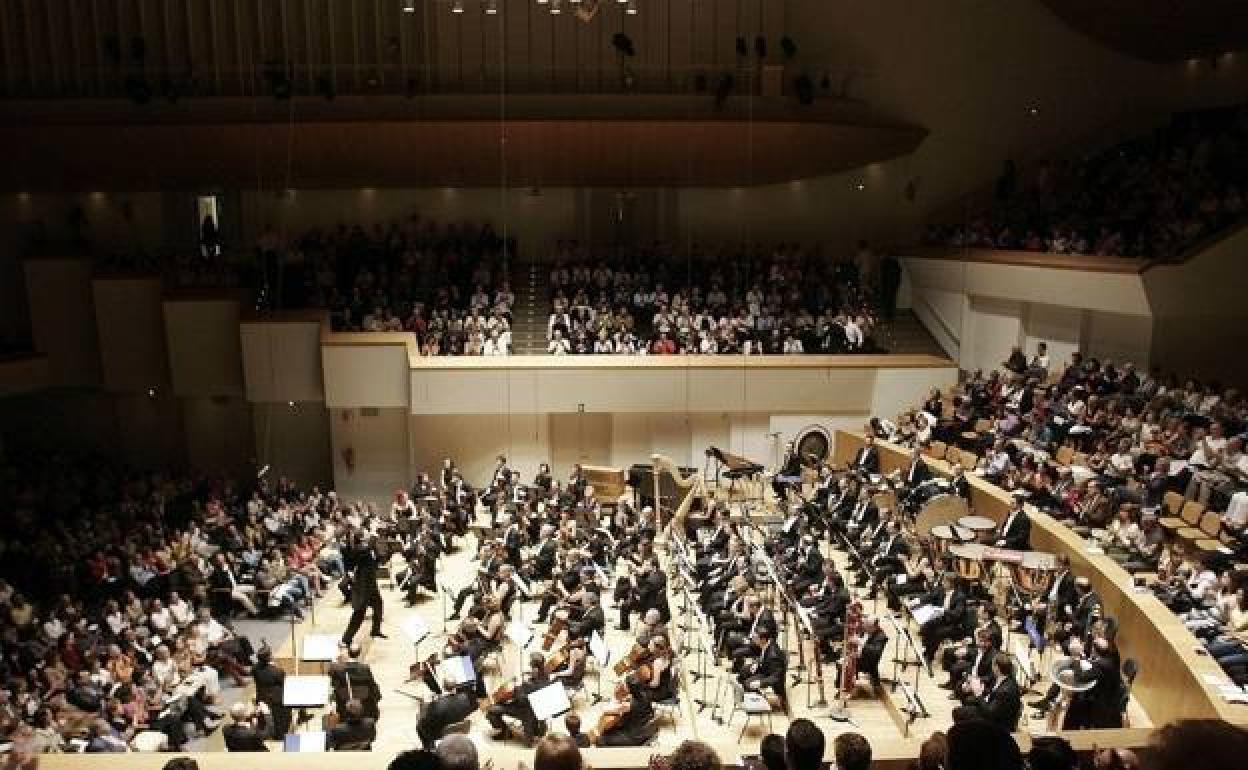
807	569
827	602
717	543
647	589
717	579
627	721
888	559
421	555
572	670
739	637
513	703
956	658
996	698
766	670
724	607
567	584
651	625
452	706
789	475
658	686
871	649
948	621
591	619
867	458
1054	606
478	634
1015	531
916	471
974	662
916	578
356	732
545	559
492	556
864	517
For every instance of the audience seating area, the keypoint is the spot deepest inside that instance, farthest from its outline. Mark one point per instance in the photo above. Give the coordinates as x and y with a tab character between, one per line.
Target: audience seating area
1147	468
786	299
1152	197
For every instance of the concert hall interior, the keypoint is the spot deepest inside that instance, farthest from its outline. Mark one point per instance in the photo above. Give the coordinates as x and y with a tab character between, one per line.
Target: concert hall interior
625	384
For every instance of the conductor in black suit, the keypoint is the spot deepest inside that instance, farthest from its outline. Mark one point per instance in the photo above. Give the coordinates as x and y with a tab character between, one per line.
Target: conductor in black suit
243	733
1000	702
1015	531
364	559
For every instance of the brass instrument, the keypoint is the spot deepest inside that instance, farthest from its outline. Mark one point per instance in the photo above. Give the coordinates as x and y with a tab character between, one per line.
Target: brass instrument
851	651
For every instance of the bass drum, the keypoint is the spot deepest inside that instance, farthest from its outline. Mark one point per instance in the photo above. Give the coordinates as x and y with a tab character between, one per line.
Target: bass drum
814	445
941	509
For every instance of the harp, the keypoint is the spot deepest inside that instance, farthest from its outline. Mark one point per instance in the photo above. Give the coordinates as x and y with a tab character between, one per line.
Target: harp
688	488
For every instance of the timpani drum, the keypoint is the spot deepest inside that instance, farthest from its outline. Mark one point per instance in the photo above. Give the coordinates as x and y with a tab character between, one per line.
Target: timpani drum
941	508
982	526
1034	573
946	535
966	561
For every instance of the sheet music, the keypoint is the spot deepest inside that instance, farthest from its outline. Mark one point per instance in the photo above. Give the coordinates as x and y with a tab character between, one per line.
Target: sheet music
458	670
305	691
415	628
519	633
550	701
319	647
598	648
305	743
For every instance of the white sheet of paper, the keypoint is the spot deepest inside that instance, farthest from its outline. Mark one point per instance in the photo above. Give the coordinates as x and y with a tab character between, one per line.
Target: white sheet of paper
415	628
519	633
319	647
598	648
926	612
550	701
305	743
458	670
305	691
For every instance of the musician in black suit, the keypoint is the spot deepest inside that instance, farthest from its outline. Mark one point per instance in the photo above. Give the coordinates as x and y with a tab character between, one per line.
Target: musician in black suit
860	516
454	705
352	679
790	473
1001	701
270	683
961	486
888	557
975	664
355	732
1099	708
593	619
363	559
244	732
744	629
949	622
1015	531
766	671
916	471
1055	606
648	590
809	567
867	458
871	649
518	706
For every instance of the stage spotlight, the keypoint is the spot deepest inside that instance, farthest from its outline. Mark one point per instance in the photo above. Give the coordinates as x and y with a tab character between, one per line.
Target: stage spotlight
555	8
457	6
491	7
409	6
631	8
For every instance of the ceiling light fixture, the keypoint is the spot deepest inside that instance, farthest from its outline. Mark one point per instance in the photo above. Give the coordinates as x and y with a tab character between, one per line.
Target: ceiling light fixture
491	7
631	8
409	6
555	10
457	6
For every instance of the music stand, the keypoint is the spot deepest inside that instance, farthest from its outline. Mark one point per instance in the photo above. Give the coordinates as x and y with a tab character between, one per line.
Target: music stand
549	702
319	648
305	743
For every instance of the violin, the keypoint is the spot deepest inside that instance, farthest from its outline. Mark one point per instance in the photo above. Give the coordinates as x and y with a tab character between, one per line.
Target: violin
504	693
420	667
558	659
631	660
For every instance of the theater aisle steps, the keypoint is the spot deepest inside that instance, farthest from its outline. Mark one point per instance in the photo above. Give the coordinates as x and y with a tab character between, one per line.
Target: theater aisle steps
528	328
907	334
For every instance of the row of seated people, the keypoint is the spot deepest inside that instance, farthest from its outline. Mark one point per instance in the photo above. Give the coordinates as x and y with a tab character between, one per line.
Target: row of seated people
786	300
448	284
970	743
1149	197
116	605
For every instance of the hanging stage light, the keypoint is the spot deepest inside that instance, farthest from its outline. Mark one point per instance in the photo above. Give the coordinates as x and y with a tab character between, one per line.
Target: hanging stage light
555	8
631	8
491	7
457	6
409	6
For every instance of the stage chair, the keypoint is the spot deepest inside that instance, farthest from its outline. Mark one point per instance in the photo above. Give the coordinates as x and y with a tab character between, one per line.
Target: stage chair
753	705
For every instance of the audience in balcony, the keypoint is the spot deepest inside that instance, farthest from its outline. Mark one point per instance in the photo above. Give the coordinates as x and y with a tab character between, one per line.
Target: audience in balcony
786	299
1153	197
